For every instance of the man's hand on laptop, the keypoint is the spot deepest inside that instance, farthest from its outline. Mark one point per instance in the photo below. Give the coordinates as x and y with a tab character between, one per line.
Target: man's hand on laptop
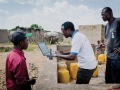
58	53
61	52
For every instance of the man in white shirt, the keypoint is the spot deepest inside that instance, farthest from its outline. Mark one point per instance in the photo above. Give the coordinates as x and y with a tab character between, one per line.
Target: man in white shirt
82	49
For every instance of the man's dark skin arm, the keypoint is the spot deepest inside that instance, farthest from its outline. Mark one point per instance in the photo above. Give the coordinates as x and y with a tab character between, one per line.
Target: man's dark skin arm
31	81
64	53
117	49
67	57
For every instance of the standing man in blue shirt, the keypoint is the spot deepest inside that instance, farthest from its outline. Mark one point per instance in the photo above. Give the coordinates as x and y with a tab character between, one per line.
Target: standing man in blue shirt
82	49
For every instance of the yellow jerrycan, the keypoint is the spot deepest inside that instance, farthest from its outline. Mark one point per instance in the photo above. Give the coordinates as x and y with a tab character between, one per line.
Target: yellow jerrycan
95	74
73	70
63	76
62	66
101	58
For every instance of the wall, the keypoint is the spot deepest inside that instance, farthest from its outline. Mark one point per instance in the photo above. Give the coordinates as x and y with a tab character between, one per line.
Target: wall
92	32
60	36
66	40
38	35
4	35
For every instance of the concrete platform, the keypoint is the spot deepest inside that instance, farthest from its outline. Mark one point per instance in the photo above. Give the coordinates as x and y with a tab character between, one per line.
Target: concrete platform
47	79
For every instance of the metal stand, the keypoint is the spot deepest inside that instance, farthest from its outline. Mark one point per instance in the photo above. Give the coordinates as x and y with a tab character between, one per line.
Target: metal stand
50	57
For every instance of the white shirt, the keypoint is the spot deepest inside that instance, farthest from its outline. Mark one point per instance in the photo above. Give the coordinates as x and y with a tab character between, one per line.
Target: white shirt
83	49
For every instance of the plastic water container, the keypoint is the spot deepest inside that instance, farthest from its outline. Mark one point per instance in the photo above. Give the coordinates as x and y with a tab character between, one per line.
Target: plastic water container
101	58
73	70
64	61
61	62
63	76
95	74
62	66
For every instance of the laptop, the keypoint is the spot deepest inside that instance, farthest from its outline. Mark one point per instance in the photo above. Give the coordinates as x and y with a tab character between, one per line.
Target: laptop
44	49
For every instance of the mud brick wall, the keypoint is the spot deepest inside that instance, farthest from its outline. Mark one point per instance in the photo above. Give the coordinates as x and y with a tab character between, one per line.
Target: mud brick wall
4	36
93	32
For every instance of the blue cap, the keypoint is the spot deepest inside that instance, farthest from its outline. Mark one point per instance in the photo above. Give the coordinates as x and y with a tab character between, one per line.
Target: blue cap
19	35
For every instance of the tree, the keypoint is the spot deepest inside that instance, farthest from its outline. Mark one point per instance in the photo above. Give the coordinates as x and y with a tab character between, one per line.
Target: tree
35	26
41	28
14	29
17	27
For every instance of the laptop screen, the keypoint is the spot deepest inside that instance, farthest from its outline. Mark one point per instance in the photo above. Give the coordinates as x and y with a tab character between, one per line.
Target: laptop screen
43	48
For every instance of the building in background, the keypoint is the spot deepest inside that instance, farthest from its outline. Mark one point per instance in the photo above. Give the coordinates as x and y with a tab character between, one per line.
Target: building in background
93	32
4	35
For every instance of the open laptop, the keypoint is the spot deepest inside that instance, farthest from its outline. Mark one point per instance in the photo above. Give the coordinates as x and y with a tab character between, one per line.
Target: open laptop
44	49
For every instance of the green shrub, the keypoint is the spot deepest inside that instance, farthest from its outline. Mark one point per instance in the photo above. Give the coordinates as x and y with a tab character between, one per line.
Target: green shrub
30	48
5	49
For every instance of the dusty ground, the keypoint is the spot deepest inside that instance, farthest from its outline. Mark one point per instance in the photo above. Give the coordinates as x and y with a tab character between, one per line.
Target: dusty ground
34	56
38	59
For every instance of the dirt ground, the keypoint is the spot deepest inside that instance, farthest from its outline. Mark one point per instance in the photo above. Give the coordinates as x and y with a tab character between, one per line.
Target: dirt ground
31	57
38	59
34	56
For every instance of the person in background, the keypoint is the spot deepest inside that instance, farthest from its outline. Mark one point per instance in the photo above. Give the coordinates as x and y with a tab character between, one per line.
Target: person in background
81	49
102	46
98	49
17	77
112	35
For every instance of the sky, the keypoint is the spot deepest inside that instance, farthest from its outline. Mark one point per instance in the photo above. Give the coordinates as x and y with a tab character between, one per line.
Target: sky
51	14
